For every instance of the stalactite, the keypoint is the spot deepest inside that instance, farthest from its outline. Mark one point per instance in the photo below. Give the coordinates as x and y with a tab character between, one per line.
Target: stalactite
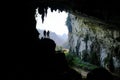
51	9
41	12
46	11
42	17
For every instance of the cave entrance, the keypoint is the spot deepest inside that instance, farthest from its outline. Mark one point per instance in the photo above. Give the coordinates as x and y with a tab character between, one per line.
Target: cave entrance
55	23
88	39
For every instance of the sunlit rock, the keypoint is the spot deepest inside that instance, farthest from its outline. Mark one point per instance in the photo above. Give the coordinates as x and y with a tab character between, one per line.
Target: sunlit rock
93	38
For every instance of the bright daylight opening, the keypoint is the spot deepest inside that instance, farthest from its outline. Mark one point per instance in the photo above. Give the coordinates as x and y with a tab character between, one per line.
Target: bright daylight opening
55	22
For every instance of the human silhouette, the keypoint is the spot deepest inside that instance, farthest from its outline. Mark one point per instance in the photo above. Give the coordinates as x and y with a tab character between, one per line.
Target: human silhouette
48	33
99	74
44	33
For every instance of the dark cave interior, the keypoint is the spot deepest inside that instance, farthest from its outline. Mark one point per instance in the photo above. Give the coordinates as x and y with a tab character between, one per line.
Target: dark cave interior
20	36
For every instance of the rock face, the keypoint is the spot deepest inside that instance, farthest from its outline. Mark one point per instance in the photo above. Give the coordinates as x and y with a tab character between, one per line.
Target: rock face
94	41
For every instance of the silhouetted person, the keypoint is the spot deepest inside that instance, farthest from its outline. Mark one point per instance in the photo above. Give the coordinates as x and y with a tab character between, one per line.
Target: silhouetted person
44	33
48	33
99	74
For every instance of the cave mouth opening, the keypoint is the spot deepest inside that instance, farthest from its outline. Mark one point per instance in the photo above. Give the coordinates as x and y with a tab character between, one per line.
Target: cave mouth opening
77	59
55	23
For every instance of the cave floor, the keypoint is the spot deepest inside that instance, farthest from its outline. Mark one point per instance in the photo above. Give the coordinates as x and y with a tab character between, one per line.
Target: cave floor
81	71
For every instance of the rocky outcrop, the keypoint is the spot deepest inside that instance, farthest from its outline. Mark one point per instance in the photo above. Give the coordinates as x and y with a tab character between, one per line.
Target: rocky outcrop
94	41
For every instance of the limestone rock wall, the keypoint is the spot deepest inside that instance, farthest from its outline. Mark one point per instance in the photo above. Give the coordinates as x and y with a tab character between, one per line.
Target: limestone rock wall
94	41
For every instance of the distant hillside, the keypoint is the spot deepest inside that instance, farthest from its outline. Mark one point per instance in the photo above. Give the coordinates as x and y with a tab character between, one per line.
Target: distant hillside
59	40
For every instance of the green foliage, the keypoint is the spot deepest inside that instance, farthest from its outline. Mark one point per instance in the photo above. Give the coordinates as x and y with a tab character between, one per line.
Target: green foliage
87	66
74	60
70	59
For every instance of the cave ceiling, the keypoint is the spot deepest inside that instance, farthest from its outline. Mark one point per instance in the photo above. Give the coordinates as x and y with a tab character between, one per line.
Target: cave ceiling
105	10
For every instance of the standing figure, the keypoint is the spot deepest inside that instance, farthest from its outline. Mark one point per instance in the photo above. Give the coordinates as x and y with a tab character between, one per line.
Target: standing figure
48	33
44	33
